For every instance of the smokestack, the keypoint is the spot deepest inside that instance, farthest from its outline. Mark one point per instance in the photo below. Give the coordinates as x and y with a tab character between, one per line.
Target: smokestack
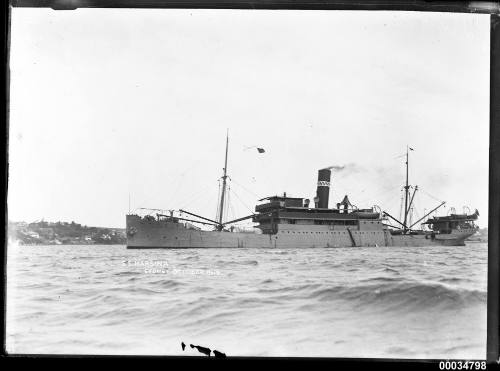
323	190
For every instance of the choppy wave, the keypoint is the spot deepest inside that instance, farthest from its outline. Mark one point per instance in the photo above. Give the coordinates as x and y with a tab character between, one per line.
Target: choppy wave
406	296
321	302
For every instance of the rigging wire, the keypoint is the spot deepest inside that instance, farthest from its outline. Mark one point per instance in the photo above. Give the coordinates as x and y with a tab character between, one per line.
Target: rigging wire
218	204
231	206
386	201
382	193
243	203
431	196
416	202
175	183
244	188
190	198
227	202
401	207
177	176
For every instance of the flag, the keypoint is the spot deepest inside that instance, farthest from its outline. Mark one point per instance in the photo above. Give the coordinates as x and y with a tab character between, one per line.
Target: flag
261	150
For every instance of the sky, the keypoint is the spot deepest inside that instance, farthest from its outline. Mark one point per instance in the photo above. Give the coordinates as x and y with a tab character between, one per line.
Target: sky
116	109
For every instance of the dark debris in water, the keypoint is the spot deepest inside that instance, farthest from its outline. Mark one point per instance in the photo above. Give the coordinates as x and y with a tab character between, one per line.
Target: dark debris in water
205	351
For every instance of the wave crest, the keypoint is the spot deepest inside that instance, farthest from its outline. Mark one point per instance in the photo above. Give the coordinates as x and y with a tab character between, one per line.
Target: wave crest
403	295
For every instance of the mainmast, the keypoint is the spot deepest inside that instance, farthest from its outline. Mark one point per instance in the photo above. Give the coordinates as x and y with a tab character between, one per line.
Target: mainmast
409	205
224	181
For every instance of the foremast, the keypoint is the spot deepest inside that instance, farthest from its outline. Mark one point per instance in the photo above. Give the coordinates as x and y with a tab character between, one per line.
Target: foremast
224	184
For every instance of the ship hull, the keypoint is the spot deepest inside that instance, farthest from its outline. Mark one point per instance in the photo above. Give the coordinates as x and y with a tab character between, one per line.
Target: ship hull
145	234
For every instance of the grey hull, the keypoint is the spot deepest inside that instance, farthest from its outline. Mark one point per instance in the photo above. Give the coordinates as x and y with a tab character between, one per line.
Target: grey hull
144	234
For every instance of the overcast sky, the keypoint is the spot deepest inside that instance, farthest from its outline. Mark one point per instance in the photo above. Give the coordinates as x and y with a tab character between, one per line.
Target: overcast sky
107	103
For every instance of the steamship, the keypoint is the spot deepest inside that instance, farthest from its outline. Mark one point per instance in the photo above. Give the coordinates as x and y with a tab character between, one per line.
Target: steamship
283	222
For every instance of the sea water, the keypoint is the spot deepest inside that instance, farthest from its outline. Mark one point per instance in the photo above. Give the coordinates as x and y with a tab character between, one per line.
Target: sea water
390	302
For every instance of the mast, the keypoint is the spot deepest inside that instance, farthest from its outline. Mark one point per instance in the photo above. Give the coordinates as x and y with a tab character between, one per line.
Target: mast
224	178
409	206
406	193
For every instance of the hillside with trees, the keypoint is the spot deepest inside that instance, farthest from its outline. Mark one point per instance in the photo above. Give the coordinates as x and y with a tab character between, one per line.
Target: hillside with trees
63	233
